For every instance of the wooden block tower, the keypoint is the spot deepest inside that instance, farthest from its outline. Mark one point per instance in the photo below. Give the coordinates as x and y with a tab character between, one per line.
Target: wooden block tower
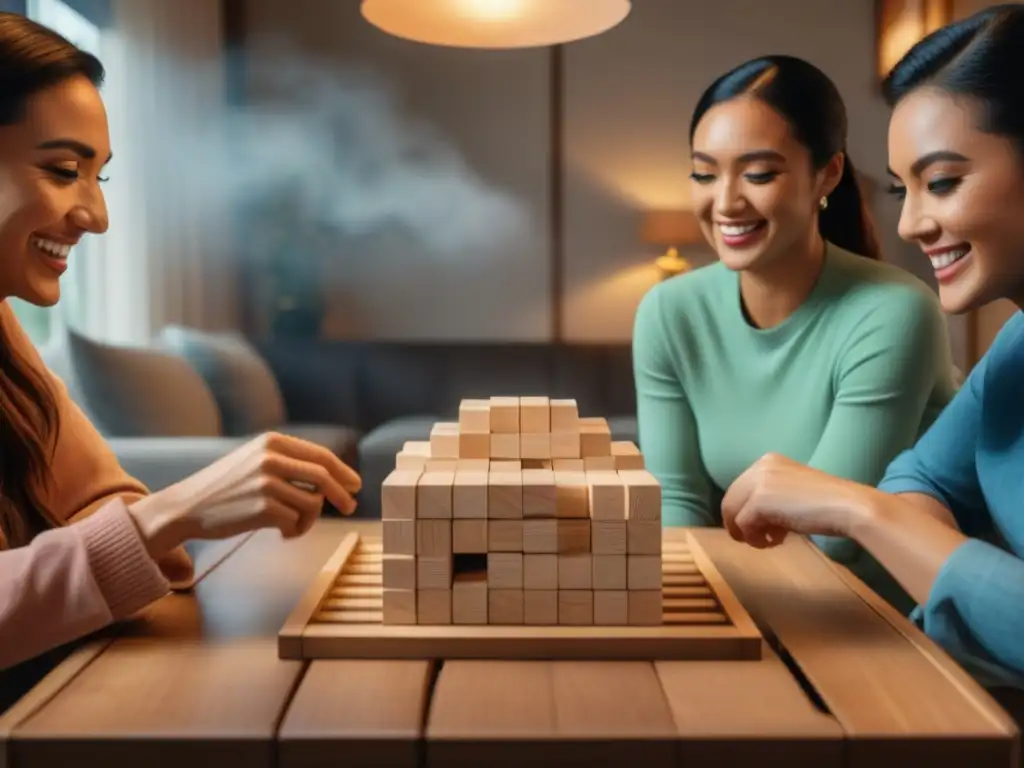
522	512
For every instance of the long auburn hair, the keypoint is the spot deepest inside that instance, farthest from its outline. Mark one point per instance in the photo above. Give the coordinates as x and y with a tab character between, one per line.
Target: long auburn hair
32	58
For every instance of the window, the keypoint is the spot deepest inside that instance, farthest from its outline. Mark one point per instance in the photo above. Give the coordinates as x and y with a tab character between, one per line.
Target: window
89	254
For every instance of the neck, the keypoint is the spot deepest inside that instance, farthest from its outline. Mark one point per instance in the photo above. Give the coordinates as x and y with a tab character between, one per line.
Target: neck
774	292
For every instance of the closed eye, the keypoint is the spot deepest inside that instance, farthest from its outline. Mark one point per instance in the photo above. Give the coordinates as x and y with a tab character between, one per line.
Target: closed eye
898	191
702	178
761	178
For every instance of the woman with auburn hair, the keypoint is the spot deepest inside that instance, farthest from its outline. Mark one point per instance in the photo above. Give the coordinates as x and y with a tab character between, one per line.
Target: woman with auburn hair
82	544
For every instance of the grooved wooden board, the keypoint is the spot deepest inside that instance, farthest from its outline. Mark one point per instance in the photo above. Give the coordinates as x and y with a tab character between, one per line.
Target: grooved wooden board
341	616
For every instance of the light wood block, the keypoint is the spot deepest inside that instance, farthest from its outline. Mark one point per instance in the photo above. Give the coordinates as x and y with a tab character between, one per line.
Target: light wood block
472	465
572	494
565	415
540	571
575	571
433	539
608	537
611	607
504	570
505	495
574	536
607	492
399	536
602	463
409	461
535	445
474	445
643	493
433	606
469	598
540	607
474	416
609	572
505	415
469	494
441	465
540	535
469	536
567	465
595	437
434	495
444	440
434	572
627	455
643	572
644	537
645	607
504	535
398	571
504	445
575	607
565	445
505	606
506	465
539	493
399	606
534	415
416	448
398	494
535	463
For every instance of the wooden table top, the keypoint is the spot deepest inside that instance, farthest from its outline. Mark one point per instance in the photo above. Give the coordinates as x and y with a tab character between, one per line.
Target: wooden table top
196	681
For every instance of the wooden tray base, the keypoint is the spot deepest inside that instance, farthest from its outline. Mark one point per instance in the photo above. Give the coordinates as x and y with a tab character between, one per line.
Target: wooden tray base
340	617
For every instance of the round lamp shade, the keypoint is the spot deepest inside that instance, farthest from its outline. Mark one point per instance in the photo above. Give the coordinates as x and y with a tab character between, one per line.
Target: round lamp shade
495	23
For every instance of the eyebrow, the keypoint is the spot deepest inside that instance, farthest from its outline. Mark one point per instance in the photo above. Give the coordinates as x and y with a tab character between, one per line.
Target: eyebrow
82	150
746	157
939	156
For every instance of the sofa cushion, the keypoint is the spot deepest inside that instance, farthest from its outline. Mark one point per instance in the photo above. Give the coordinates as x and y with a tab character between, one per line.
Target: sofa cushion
141	392
241	381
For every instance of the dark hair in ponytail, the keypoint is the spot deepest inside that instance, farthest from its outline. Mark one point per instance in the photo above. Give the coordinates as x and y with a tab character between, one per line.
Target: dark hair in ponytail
979	57
32	58
812	106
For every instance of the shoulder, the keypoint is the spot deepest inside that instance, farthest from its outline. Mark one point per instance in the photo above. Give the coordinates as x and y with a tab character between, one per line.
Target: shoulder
883	299
683	297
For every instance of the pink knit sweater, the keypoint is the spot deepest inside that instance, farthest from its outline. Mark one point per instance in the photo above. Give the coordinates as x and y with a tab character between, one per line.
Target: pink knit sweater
94	569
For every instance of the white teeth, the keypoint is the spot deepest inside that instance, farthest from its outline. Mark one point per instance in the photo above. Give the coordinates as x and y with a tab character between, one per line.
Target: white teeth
54	249
951	257
734	230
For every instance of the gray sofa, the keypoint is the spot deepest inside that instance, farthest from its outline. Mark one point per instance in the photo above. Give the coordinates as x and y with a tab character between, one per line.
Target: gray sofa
170	409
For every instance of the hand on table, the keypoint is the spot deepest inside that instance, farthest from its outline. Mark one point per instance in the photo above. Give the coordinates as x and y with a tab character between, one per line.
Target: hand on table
273	481
776	495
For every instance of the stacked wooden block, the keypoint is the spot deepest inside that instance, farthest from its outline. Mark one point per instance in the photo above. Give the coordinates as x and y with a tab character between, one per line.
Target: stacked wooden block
522	512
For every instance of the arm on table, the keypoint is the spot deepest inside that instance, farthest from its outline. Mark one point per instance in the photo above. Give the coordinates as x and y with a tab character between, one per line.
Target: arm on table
70	582
665	422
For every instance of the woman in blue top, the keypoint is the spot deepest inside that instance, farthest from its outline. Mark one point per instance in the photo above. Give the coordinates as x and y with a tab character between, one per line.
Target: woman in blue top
947	520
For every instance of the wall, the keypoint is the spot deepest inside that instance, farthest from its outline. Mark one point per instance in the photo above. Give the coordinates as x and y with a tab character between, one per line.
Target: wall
626	98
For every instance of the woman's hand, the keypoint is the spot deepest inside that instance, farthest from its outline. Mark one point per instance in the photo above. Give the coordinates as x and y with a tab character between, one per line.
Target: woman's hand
777	495
274	481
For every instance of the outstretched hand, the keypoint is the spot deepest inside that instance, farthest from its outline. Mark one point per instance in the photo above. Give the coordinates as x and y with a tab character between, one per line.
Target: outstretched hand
776	495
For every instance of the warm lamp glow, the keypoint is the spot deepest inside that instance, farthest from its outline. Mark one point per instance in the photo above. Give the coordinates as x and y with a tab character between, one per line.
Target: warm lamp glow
671	229
902	23
495	23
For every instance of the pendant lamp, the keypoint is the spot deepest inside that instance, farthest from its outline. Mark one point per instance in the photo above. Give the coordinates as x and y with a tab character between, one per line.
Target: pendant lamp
495	23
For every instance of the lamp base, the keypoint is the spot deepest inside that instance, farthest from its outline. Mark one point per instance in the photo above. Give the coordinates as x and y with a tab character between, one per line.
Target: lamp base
672	264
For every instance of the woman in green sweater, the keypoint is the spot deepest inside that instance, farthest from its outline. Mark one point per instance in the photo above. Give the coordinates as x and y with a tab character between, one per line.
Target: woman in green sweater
799	341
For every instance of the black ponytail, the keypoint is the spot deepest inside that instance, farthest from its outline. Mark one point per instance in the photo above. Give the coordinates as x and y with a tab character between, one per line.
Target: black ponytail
811	104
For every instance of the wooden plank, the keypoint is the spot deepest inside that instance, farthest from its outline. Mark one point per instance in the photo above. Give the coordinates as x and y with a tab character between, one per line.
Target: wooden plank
747	715
895	706
196	680
289	645
372	712
492	713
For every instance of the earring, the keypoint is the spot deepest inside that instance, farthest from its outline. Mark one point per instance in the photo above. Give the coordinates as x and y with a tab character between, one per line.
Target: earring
823	203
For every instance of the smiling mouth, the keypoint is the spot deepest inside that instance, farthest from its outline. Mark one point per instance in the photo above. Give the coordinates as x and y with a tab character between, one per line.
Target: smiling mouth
52	248
945	260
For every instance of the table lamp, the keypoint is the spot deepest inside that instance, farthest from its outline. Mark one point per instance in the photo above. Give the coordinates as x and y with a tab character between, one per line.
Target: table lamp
495	23
671	228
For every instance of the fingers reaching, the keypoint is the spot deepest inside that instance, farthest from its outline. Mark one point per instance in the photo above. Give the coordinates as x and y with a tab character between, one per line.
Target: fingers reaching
315	475
306	451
